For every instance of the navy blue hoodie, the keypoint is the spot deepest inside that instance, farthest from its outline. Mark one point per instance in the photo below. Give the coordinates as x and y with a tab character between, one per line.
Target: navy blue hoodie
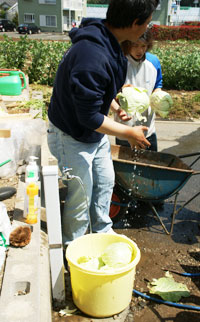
88	78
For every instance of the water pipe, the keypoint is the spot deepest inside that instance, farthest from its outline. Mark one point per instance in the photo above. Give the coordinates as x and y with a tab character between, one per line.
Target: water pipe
183	273
4	162
178	305
67	176
189	274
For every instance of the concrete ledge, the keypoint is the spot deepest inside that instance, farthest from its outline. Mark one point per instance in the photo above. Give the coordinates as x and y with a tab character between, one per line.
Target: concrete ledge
25	294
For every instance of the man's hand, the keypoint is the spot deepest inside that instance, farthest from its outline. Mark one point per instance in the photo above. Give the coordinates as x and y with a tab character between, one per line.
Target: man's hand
134	135
115	107
123	115
137	138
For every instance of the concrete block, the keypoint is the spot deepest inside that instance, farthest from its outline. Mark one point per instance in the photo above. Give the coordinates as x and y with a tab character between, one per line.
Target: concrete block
21	293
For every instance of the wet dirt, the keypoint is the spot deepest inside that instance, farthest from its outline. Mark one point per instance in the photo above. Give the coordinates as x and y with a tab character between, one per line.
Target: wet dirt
179	252
159	252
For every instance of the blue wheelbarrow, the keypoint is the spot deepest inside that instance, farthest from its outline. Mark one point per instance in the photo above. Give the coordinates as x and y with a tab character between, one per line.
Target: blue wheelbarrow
150	177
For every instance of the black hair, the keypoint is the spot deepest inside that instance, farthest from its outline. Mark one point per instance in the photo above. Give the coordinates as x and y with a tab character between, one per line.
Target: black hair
147	37
122	13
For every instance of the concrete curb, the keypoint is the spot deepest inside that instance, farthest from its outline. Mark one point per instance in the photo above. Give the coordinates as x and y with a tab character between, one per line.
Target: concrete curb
25	294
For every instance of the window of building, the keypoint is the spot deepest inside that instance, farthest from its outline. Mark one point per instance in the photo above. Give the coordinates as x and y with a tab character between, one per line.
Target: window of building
48	21
50	1
51	21
47	1
29	17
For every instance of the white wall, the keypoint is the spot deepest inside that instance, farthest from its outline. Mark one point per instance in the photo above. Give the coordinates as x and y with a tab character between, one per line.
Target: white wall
192	14
96	12
12	11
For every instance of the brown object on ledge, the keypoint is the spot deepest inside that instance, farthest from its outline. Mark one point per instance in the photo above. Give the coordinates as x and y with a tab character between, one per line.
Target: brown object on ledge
20	236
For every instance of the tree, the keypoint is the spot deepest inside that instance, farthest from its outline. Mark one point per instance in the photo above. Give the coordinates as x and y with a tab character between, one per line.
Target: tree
2	13
15	19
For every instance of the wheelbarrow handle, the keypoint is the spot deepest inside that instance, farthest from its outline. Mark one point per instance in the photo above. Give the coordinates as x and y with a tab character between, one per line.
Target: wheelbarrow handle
196	172
191	155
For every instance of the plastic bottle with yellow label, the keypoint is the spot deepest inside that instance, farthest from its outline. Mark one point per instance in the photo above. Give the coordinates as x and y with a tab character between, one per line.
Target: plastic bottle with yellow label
31	176
32	203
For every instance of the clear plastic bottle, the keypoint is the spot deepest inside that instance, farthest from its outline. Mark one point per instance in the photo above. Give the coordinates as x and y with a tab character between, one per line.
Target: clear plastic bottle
32	170
32	203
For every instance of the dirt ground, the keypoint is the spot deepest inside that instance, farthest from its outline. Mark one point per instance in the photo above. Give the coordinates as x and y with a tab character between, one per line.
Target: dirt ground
178	253
159	252
186	104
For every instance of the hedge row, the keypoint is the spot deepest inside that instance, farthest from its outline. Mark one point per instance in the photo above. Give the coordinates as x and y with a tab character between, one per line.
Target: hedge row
191	23
180	60
38	59
176	32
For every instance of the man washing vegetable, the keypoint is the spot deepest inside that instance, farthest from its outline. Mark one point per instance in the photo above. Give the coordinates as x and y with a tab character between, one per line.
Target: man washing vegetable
88	78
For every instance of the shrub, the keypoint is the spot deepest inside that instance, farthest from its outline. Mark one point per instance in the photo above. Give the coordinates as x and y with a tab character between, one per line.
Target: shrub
38	59
180	60
191	23
180	63
189	32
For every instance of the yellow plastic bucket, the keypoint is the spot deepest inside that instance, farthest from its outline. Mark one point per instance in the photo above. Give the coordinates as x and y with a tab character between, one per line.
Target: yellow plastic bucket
99	293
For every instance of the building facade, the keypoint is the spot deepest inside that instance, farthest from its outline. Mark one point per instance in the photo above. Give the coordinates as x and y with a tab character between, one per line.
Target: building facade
12	11
58	15
6	4
160	15
51	15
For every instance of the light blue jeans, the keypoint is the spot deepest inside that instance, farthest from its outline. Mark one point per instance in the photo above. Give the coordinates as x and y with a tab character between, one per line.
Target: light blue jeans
92	163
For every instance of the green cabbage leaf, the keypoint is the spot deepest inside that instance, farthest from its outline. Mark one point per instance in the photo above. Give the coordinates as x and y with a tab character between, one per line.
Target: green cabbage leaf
90	263
161	103
168	289
134	100
115	256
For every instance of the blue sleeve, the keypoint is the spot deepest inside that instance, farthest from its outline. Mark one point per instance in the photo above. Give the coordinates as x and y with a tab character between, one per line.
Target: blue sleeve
156	63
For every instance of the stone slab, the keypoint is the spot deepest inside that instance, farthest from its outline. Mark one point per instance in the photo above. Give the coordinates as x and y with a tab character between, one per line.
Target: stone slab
25	294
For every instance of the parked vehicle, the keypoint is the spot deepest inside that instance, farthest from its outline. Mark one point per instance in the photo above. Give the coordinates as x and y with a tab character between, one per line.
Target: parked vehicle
28	28
75	23
7	25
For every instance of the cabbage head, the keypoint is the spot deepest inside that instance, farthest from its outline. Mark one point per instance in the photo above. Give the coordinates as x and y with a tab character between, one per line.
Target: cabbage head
161	103
90	263
117	254
134	100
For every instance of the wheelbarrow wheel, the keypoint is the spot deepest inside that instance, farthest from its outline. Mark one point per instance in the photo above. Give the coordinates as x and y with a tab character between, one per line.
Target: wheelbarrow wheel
119	204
